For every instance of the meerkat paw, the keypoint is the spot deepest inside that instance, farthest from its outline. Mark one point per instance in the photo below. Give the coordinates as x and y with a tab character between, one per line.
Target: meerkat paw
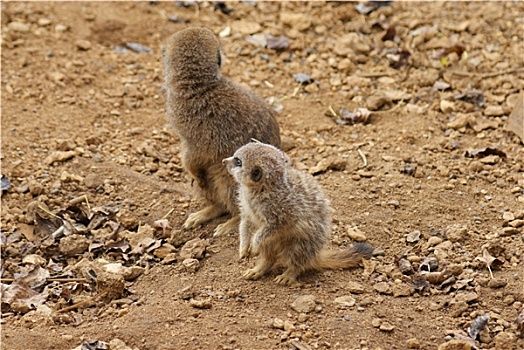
227	227
244	252
253	274
202	216
287	280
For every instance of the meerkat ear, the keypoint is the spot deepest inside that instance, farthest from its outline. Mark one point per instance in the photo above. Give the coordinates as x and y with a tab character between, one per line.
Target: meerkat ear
256	174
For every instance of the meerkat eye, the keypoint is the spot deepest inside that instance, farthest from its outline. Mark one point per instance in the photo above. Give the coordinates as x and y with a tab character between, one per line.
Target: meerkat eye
256	174
237	161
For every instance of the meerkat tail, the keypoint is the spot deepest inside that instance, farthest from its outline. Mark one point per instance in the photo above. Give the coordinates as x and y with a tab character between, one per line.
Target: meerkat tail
331	259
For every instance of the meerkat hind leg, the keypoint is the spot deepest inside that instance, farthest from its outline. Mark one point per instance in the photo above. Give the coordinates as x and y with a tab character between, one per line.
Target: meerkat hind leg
288	278
228	226
203	216
261	268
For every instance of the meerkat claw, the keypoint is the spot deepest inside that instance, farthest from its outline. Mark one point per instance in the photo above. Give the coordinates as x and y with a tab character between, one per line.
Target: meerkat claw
192	221
286	280
252	274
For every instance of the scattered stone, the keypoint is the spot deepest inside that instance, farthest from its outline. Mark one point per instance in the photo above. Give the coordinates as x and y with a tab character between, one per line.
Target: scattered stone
382	287
191	265
303	317
460	121
298	21
493	111
201	304
405	267
289	326
19	27
344	301
456	233
455	345
376	322
508	216
355	288
467	297
356	234
515	223
117	344
447	106
245	27
402	290
413	237
429	264
433	241
304	304
93	181
497	283
194	249
83	44
413	343
59	156
73	245
278	323
350	44
505	341
34	259
386	327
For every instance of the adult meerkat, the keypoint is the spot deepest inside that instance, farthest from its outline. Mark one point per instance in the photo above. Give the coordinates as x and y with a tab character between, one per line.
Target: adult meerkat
285	216
213	117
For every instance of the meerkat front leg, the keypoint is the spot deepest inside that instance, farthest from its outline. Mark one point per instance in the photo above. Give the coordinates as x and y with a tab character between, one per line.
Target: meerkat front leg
226	227
261	268
203	216
245	229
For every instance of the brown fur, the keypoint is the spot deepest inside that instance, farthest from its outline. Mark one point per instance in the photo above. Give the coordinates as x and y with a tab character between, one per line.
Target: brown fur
285	216
213	117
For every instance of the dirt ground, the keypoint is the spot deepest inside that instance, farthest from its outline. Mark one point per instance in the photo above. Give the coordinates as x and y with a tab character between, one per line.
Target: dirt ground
432	178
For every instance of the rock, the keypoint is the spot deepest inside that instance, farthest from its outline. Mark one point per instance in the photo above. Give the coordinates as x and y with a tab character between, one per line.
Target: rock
505	341
117	344
201	304
376	322
386	327
298	21
302	317
73	245
413	343
355	288
304	304
93	181
245	27
194	249
402	290
34	259
405	267
19	27
289	326
278	323
355	234
508	216
467	297
394	203
191	265
515	223
110	286
83	44
139	237
35	188
413	237
497	283
376	101
344	301
128	273
447	106
44	22
456	233
164	250
382	287
455	345
351	43
60	28
493	111
433	241
59	156
460	121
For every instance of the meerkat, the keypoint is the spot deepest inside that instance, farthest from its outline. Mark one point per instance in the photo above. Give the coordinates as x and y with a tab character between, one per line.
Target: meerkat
213	117
285	216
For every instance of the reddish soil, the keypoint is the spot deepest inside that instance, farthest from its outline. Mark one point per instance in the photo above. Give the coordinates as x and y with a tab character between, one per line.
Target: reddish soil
414	166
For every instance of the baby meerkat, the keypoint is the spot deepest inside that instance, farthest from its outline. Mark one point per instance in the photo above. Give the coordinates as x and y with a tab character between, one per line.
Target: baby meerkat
285	216
213	117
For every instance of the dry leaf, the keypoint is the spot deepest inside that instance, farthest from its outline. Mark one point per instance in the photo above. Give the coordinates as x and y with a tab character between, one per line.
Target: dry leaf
478	325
